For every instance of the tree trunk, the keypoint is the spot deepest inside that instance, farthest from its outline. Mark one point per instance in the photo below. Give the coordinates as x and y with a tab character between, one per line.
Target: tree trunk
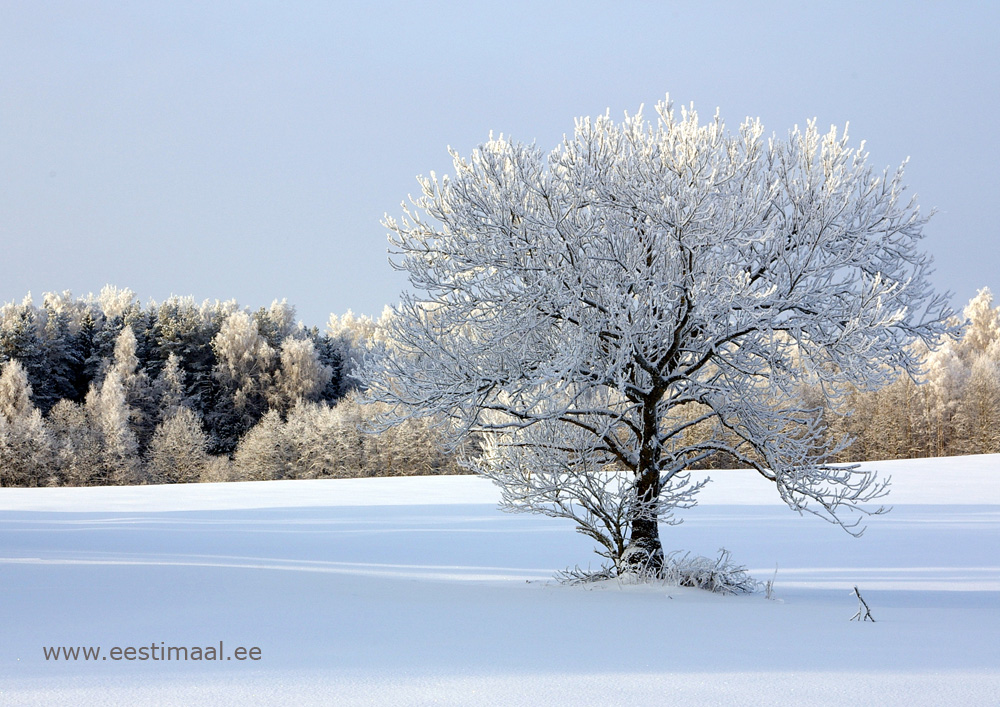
644	553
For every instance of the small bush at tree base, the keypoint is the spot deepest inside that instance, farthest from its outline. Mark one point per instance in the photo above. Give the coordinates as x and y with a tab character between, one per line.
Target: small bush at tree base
719	576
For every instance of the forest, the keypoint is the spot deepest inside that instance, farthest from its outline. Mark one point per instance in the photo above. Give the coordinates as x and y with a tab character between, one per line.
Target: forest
102	390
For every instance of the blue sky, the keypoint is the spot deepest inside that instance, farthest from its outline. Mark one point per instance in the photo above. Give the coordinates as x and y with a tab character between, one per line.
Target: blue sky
249	150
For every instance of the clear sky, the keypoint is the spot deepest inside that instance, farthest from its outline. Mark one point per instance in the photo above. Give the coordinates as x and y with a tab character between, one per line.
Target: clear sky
249	150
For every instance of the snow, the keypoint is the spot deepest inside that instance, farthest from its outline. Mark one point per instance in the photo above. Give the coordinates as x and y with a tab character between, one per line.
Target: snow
419	591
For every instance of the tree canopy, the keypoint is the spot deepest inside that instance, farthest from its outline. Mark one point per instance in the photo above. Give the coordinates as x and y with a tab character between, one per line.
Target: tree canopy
649	294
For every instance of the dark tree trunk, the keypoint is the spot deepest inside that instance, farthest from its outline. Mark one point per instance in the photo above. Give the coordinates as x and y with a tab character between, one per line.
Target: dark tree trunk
644	552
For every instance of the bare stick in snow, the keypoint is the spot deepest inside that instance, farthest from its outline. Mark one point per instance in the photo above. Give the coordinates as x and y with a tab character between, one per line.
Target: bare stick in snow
862	607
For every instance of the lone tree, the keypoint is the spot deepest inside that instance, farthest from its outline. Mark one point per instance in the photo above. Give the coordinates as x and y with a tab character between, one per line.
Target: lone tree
646	296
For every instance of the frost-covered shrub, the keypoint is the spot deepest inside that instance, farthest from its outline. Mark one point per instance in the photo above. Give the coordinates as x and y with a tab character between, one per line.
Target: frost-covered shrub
719	576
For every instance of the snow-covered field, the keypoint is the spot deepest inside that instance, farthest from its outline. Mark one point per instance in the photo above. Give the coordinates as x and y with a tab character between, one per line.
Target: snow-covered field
418	591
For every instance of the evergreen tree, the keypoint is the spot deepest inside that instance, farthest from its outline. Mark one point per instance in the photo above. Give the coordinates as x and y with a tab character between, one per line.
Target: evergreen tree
329	353
351	337
61	350
169	389
185	330
275	323
20	340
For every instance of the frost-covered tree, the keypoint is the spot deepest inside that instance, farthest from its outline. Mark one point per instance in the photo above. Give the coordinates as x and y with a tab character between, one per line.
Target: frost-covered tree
184	329
354	336
25	443
264	452
411	448
244	369
20	339
79	456
275	323
139	401
300	376
15	391
63	350
311	431
335	445
330	442
178	452
109	413
983	326
570	306
169	390
977	417
977	408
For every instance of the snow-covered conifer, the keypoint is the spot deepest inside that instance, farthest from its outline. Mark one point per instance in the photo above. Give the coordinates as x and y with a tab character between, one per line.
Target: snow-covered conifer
169	390
276	323
184	329
62	349
354	336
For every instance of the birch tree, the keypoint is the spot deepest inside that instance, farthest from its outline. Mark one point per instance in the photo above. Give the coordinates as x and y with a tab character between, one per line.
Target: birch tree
570	306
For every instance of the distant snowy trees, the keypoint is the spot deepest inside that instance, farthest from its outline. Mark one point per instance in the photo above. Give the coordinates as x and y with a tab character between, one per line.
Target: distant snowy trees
587	309
952	407
103	390
322	442
136	394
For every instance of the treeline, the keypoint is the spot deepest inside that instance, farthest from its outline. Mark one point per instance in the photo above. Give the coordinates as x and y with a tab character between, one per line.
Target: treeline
953	409
103	390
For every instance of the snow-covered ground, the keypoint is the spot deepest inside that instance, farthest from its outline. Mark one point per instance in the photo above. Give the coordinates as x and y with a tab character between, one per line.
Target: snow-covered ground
418	591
